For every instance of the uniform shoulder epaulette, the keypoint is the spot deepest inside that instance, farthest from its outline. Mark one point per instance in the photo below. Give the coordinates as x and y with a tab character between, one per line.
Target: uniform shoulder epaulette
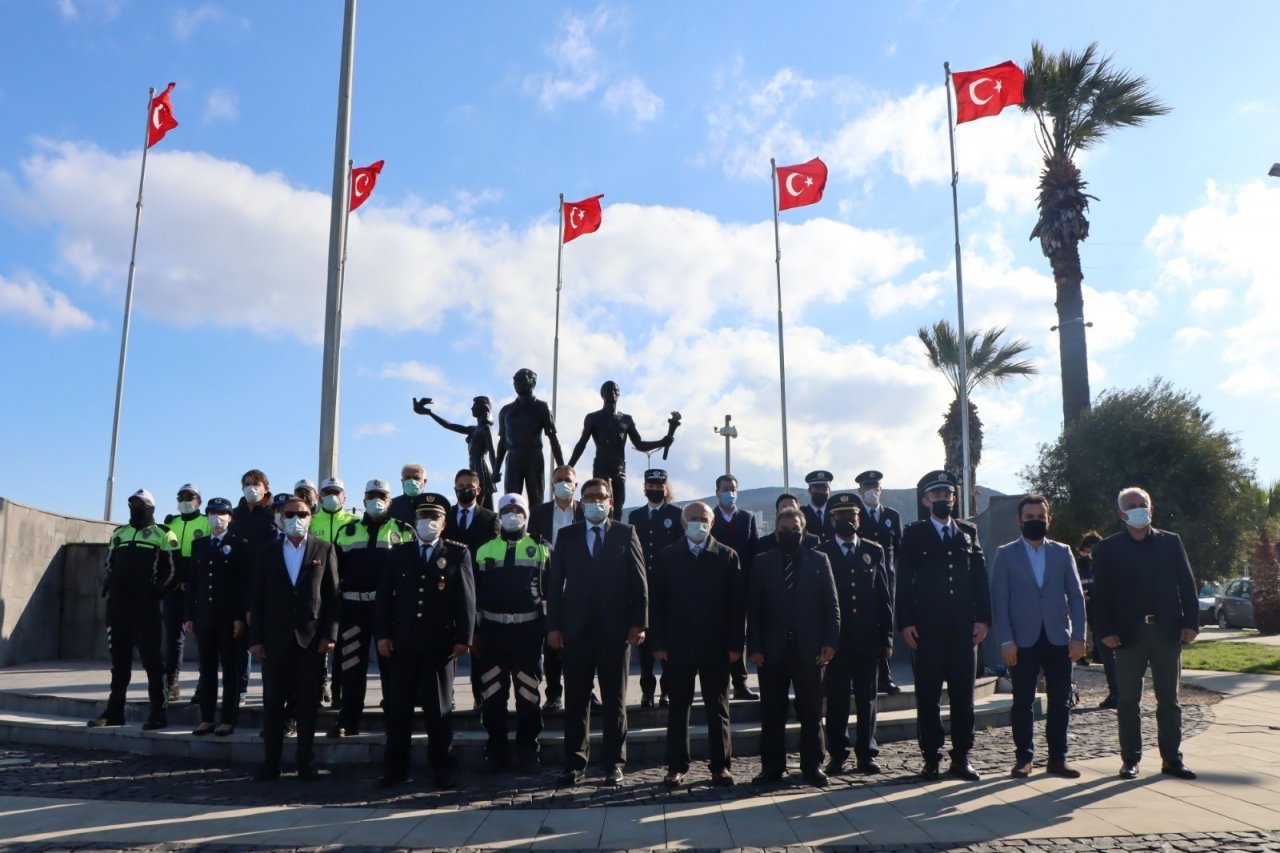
455	544
168	519
967	526
916	523
164	528
118	529
348	526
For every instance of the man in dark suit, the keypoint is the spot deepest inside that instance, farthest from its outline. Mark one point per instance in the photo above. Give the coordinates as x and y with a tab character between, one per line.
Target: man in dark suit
1038	606
866	635
293	624
424	619
882	525
697	613
944	610
770	540
472	525
597	608
817	520
793	626
658	524
737	529
1145	607
546	520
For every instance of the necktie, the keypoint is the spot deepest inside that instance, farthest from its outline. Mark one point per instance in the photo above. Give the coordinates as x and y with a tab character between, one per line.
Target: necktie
946	535
789	575
426	553
462	519
595	541
848	550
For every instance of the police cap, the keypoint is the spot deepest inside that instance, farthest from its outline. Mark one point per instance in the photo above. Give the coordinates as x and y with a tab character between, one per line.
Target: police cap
844	501
217	505
869	478
940	480
431	503
819	478
655	475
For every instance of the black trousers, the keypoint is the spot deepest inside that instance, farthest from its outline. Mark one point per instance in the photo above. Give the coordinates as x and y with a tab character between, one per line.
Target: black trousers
551	669
430	676
714	679
585	659
648	681
944	656
219	650
886	675
134	622
290	672
525	471
851	672
509	657
1055	661
777	677
172	610
351	659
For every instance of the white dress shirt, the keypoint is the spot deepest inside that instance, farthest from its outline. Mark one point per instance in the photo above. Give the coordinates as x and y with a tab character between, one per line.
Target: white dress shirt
293	558
560	518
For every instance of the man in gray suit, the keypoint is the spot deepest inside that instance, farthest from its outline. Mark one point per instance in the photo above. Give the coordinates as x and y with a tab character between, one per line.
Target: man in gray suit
1038	607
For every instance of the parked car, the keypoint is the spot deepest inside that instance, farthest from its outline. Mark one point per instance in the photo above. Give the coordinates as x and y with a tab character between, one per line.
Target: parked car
1208	601
1233	607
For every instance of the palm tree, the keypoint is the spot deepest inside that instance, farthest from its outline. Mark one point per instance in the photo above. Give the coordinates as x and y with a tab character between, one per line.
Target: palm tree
1077	98
988	362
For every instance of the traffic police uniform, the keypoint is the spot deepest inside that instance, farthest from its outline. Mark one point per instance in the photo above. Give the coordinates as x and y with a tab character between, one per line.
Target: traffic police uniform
364	552
425	606
882	525
657	528
817	519
139	574
188	527
325	524
510	626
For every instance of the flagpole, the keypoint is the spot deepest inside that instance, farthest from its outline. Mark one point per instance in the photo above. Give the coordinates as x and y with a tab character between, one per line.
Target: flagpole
128	312
339	208
782	361
963	341
555	353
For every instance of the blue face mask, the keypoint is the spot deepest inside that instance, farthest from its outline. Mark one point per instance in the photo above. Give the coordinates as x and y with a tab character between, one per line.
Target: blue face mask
595	511
728	499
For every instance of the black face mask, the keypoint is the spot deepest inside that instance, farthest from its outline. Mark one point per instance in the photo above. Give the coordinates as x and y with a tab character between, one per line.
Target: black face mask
1035	529
788	540
655	496
818	499
142	516
845	528
466	495
941	509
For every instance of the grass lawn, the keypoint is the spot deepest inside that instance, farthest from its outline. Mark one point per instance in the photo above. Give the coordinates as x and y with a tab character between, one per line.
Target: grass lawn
1232	657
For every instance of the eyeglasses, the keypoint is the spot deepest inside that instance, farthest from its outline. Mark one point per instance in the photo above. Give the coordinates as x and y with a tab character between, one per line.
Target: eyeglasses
296	513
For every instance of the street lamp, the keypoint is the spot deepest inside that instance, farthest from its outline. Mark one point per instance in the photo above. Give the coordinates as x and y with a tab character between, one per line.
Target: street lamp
1069	322
728	432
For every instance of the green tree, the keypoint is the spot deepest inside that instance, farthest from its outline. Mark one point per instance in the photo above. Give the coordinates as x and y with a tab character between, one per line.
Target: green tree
1264	568
988	362
1077	98
1159	439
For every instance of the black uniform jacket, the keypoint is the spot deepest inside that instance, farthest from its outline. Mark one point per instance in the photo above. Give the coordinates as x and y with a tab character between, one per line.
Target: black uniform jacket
769	542
887	533
823	531
1118	610
658	532
482	525
942	588
697	605
601	597
282	612
862	588
427	605
220	582
810	609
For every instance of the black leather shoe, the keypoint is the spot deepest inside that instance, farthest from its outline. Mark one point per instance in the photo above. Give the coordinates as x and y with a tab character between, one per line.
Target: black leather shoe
1129	770
722	777
816	777
613	776
663	701
308	773
570	779
870	767
1063	769
104	720
835	768
1022	771
391	781
267	774
767	777
930	771
1179	770
673	779
155	723
646	700
552	704
742	691
892	689
1110	703
962	769
446	778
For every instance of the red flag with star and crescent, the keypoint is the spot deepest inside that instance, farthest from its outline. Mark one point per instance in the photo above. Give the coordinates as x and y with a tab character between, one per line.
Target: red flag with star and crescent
363	180
801	184
987	91
582	217
161	119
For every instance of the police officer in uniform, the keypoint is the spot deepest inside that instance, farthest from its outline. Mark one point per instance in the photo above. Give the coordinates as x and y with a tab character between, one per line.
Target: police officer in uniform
188	525
944	610
364	553
139	574
882	525
306	489
327	520
426	609
658	524
816	518
217	600
511	574
866	635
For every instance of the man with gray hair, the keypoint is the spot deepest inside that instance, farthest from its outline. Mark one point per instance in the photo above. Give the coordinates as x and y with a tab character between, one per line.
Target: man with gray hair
413	482
1146	609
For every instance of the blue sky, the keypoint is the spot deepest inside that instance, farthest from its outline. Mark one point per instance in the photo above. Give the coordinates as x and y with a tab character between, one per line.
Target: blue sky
484	112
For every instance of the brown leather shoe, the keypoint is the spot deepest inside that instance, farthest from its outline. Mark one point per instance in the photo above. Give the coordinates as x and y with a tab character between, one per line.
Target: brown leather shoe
1022	771
724	777
1063	769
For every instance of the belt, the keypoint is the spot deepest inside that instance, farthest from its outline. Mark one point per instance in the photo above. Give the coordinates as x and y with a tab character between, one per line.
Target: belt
509	618
359	596
1150	619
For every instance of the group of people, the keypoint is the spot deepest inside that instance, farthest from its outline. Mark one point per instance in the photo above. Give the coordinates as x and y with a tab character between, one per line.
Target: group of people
549	599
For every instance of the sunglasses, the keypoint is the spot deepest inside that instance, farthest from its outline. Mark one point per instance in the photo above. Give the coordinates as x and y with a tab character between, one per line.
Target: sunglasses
296	513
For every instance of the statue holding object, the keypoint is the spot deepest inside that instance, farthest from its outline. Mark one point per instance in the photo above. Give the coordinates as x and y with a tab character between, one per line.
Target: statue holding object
481	457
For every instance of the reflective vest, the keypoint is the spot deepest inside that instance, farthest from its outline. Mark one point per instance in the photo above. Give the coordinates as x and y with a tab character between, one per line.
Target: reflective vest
187	530
364	550
326	525
514	588
140	561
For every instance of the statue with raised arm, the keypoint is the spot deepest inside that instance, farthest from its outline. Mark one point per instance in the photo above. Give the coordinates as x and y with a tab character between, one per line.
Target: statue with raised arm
481	457
610	429
521	424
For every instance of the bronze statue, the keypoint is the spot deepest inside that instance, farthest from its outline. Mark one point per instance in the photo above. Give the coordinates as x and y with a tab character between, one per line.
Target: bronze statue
480	452
610	430
521	424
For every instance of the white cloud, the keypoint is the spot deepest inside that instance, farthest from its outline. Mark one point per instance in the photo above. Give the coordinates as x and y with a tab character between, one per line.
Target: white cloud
221	105
367	430
97	10
632	97
36	303
1213	299
1189	336
187	21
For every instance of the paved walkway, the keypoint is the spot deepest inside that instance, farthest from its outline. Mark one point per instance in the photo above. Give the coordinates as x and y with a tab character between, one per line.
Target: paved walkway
1238	792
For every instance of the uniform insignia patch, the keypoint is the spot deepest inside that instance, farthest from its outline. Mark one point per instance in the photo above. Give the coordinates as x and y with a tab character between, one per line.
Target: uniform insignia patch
440	585
888	523
442	562
226	549
866	558
666	522
197	534
147	534
530	550
395	538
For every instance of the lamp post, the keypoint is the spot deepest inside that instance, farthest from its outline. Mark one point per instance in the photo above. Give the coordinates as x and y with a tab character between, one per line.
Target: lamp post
728	431
1275	170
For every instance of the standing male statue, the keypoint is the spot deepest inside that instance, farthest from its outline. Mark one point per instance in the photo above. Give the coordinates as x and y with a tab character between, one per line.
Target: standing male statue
521	424
610	429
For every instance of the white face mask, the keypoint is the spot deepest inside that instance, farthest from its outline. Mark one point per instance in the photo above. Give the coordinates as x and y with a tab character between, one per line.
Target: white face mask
186	507
219	522
871	498
1139	517
297	526
428	529
331	503
563	490
697	531
377	507
596	511
512	521
253	494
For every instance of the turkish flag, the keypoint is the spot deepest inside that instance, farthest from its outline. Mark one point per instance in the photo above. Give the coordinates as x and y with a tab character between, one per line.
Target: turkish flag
581	217
363	180
802	184
987	91
161	119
